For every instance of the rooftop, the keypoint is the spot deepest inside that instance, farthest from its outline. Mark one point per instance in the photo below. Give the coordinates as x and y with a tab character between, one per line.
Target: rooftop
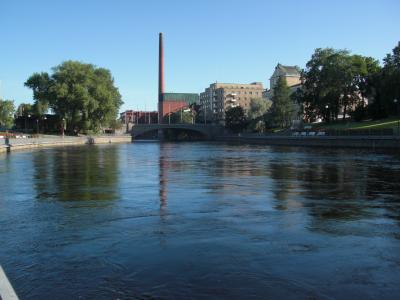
289	70
187	97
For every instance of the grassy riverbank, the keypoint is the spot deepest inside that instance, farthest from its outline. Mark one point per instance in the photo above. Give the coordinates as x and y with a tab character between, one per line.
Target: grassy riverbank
388	123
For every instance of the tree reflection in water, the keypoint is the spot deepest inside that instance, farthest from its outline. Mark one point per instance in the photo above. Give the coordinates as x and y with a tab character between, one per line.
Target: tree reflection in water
79	174
190	220
336	186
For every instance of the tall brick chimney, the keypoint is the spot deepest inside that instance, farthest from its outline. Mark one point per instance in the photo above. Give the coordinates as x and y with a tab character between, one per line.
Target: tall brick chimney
160	78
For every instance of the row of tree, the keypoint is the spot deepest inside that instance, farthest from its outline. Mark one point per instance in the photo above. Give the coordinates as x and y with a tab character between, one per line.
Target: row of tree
333	83
82	96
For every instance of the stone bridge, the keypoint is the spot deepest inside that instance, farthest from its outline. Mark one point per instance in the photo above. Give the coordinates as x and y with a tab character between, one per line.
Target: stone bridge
208	131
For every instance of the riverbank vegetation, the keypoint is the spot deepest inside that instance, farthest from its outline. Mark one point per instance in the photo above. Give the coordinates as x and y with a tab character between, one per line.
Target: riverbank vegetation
386	123
7	110
338	88
82	95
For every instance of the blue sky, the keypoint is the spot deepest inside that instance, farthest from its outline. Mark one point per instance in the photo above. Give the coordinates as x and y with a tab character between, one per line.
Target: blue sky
205	41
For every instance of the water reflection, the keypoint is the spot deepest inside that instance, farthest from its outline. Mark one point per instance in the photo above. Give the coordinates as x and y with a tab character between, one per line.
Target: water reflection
82	173
188	220
163	178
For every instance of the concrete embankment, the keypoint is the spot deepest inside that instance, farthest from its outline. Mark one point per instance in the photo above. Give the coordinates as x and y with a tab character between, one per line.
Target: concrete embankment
31	143
3	148
371	142
110	139
7	292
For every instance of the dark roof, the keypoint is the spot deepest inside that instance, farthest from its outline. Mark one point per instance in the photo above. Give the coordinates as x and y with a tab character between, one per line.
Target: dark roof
189	98
289	70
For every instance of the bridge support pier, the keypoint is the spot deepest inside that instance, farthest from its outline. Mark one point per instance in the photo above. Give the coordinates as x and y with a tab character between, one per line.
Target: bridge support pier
160	134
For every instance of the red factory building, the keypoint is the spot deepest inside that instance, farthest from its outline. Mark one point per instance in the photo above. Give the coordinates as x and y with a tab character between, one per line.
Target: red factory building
139	117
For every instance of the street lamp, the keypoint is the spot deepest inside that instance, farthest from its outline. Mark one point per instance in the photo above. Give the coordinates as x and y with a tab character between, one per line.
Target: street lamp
326	112
44	125
26	128
398	120
63	127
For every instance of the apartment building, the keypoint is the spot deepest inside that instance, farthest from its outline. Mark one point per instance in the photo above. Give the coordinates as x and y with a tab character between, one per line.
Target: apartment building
219	97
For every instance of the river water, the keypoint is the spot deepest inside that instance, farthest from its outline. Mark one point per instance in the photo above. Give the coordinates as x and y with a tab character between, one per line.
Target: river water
200	221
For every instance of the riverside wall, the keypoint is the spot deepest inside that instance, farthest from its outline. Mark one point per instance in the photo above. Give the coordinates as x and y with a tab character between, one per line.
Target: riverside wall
9	145
110	139
3	148
370	142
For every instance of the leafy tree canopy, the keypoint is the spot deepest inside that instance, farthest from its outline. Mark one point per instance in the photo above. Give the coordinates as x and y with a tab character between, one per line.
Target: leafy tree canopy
258	107
81	93
235	119
335	81
7	110
25	109
282	110
180	116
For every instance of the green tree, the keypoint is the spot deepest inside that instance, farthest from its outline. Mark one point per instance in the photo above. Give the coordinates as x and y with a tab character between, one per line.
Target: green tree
83	94
282	110
387	86
7	110
235	119
324	80
180	116
258	108
116	124
195	111
335	81
25	109
40	84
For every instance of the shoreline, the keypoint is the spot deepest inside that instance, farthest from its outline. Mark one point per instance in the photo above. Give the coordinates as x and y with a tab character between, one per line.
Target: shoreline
35	143
333	142
366	142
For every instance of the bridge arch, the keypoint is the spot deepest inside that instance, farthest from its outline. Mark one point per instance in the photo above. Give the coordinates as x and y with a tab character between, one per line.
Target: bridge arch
207	131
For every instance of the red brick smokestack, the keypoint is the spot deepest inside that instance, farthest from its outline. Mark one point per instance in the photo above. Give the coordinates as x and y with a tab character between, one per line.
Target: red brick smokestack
160	77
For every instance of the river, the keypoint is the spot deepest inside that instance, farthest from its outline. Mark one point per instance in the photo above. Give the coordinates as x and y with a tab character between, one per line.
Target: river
200	221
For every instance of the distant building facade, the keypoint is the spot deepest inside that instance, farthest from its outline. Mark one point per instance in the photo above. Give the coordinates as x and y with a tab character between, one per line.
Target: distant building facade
172	102
139	117
290	73
219	97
